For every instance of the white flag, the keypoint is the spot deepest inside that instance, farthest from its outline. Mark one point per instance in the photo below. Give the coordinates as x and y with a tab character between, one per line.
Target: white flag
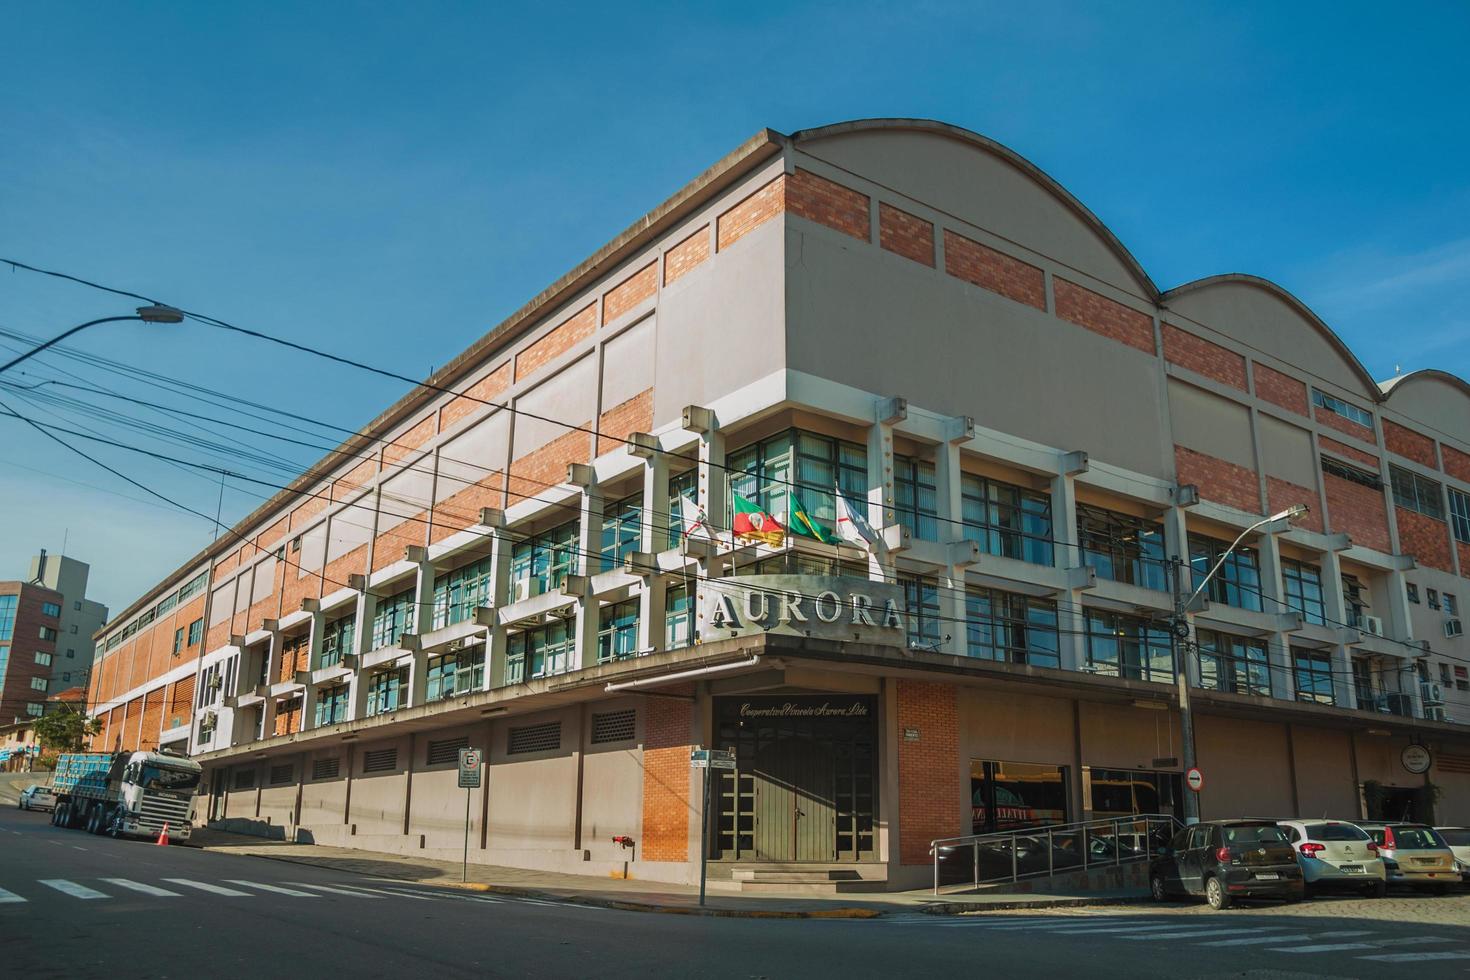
693	517
851	524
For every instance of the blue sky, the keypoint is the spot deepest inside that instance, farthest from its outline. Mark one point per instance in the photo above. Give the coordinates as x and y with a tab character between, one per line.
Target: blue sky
396	178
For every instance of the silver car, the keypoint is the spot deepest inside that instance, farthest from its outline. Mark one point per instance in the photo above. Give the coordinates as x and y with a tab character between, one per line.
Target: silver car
1414	855
37	797
1459	840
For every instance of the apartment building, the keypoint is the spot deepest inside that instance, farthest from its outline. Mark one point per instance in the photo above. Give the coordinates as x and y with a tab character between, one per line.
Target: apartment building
46	628
963	437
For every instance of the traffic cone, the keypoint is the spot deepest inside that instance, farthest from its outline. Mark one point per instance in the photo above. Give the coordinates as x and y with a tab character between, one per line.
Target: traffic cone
163	836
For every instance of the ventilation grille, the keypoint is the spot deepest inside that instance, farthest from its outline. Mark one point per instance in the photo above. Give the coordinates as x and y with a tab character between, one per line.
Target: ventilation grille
282	774
1453	763
535	738
615	726
380	760
325	768
244	779
447	750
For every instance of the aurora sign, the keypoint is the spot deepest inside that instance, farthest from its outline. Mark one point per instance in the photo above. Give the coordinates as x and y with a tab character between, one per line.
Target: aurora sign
837	608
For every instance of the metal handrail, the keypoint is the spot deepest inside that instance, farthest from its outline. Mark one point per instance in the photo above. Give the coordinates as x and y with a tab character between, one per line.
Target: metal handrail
1107	828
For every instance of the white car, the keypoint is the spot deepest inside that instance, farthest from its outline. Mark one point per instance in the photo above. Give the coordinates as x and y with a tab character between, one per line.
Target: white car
37	797
1459	840
1334	853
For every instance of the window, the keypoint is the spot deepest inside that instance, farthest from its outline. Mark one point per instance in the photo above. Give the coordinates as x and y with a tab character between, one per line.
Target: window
1017	629
196	632
1233	663
194	587
763	473
1237	583
916	499
43	659
337	637
178	640
617	634
1122	548
678	618
1313	676
39	683
1451	604
1446	676
1351	473
1339	407
1012	521
77	605
458	593
70	653
1415	492
34	709
1126	646
455	673
66	677
683	487
1413	591
1462	679
540	652
622	530
921	608
393	618
1352	597
331	706
207	726
7	617
387	691
1304	590
1431	597
47	633
548	557
1460	515
168	603
50	609
73	628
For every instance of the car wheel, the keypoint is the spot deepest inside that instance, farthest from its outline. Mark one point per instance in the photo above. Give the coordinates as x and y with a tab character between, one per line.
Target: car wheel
1156	888
114	825
1379	889
20	804
1215	895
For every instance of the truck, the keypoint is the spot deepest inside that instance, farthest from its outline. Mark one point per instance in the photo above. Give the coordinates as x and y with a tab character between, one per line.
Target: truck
125	794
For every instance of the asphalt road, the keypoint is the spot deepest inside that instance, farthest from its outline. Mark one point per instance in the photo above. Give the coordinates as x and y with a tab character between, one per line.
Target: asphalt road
72	905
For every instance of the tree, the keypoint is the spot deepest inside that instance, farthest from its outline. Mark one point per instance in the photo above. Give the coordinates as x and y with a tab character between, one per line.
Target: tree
65	730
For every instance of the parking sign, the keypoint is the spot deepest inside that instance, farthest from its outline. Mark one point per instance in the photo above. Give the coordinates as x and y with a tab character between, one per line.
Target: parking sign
469	768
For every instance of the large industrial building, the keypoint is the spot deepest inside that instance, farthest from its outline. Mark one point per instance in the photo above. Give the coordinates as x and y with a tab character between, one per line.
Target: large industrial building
898	320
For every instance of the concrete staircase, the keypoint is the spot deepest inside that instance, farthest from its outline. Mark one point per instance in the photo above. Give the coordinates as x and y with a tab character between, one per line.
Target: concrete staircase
806	879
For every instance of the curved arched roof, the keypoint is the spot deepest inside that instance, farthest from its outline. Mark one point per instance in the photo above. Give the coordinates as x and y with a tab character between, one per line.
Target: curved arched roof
1424	374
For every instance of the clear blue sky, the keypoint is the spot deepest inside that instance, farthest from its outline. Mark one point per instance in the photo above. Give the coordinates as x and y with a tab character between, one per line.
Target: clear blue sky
397	178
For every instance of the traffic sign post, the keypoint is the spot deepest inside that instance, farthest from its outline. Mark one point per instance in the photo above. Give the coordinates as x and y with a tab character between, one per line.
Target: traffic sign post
705	760
1194	779
469	779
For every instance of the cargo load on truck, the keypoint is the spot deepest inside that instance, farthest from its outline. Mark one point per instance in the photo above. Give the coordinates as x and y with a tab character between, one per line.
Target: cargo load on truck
125	794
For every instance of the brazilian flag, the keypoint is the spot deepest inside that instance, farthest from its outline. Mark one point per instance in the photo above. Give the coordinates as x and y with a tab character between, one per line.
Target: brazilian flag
801	522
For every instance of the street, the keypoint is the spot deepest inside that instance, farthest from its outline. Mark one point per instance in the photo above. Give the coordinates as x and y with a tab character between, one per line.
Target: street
73	905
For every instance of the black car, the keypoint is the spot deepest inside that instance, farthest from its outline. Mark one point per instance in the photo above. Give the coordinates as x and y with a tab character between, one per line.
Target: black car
1225	860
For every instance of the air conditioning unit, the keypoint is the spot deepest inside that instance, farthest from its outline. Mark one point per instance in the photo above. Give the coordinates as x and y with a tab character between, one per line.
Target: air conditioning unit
524	589
1431	693
1453	627
1373	624
1435	713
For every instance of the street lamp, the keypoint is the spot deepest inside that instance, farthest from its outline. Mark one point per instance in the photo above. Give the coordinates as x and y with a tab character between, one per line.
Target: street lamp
148	314
1179	631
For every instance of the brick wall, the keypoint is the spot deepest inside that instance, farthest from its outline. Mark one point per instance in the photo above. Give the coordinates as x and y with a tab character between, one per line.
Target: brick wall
1356	510
463	508
633	415
1281	494
358	477
995	271
1409	444
680	260
829	203
929	798
577	328
1101	315
310	507
1368	460
25	642
152	720
401	448
1456	463
1280	389
1463	550
288	717
389	546
547	466
905	234
1347	427
666	803
181	702
630	292
751	213
1203	357
488	388
1427	539
1218	480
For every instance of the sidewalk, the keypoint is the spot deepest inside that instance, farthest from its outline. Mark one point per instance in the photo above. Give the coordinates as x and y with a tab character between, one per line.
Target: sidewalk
641	896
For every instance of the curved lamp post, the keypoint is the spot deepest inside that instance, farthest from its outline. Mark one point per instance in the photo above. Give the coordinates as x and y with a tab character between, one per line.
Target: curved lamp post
147	314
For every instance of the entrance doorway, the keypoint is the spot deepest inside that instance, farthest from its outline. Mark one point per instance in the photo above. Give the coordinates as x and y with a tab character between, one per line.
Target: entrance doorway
805	784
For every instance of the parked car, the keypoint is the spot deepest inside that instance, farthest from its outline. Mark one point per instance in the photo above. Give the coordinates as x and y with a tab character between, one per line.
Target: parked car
1225	860
1458	838
1414	854
37	797
1337	853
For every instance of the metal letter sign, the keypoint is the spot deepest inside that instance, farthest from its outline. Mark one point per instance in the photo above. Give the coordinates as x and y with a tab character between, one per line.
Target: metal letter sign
469	768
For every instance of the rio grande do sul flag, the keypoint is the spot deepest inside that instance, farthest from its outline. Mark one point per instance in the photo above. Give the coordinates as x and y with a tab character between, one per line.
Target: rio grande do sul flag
754	524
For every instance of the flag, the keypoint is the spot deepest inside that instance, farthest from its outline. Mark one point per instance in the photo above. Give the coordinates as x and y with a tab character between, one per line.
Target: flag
755	524
801	522
852	525
693	516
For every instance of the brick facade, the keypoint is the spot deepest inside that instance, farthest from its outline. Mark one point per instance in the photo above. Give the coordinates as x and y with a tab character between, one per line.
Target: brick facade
388	547
547	466
629	293
829	203
633	415
1347	427
1356	510
1219	480
929	800
905	234
25	642
1427	539
1281	390
1203	357
666	804
1456	463
462	509
684	257
985	267
487	389
751	213
1079	305
577	328
401	448
1409	444
1368	460
1281	494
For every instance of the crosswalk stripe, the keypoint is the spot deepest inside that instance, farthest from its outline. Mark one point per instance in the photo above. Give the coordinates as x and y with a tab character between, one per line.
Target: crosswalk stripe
1192	933
1098	930
449	895
6	896
1418	957
138	886
1257	940
272	888
334	891
1322	948
384	891
205	886
72	888
1414	941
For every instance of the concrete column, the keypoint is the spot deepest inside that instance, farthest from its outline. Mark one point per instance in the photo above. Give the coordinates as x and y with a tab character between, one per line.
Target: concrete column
1398	624
713	490
1176	545
367	607
310	696
653	601
495	639
881	493
589	611
272	654
952	607
1273	601
1335	610
1066	553
423	621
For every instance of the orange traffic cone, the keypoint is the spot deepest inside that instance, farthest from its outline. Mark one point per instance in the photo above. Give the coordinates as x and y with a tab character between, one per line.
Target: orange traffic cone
163	836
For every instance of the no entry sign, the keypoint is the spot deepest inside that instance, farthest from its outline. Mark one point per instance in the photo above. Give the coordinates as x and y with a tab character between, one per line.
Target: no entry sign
1194	779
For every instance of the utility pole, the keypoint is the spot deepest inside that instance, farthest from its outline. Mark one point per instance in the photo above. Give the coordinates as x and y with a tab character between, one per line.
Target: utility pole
1179	645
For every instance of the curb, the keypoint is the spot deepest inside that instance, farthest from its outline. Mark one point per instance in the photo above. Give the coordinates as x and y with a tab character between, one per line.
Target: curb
966	908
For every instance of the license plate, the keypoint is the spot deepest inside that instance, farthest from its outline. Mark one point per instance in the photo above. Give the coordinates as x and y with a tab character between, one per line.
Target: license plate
1352	869
1426	860
1267	876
